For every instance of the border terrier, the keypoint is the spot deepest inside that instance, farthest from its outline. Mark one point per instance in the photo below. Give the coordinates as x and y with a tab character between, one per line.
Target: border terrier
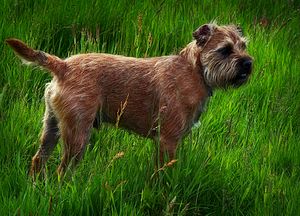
159	97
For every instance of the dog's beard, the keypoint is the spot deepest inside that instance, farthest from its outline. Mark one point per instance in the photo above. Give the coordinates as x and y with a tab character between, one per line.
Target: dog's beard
223	73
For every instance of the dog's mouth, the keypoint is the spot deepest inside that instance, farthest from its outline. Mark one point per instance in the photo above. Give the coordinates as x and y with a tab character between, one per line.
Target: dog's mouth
242	74
240	78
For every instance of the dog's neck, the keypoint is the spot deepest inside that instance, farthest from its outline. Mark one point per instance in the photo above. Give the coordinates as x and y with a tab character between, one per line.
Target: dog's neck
209	90
192	54
208	87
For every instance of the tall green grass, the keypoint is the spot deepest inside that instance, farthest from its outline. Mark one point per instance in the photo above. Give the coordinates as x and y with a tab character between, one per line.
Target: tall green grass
244	159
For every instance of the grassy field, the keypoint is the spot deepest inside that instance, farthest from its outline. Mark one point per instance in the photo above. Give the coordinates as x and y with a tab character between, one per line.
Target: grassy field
244	159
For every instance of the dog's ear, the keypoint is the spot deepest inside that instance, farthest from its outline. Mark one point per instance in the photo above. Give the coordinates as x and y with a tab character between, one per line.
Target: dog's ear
202	34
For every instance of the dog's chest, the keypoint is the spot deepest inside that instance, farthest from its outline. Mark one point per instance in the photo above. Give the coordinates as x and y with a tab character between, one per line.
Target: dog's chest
197	113
199	109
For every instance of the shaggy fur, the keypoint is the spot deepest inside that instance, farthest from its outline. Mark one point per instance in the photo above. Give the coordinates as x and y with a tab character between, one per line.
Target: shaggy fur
140	94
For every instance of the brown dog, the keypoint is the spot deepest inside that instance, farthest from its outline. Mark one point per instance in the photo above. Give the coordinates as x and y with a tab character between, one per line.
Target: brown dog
161	96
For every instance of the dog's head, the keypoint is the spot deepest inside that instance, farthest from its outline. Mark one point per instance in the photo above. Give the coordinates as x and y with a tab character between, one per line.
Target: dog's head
223	55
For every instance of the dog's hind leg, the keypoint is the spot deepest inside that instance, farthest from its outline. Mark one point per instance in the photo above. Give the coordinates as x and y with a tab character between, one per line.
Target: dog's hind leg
49	139
75	131
75	138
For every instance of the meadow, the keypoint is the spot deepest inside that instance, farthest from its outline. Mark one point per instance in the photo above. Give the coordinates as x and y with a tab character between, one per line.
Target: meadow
244	159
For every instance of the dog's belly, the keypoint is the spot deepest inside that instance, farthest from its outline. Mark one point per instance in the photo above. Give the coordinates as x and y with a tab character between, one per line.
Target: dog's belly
141	126
137	114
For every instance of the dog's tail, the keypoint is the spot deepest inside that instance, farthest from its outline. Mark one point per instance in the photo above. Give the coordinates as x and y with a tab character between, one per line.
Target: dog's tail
54	64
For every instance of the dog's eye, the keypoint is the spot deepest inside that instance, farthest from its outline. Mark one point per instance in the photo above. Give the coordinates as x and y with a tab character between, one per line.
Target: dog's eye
225	51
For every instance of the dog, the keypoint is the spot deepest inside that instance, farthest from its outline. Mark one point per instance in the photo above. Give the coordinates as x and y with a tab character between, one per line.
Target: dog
159	97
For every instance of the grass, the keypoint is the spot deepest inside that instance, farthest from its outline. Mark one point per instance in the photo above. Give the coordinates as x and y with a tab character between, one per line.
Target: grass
244	159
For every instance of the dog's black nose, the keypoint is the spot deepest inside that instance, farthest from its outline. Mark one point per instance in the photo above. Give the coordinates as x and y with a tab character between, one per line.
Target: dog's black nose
247	64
